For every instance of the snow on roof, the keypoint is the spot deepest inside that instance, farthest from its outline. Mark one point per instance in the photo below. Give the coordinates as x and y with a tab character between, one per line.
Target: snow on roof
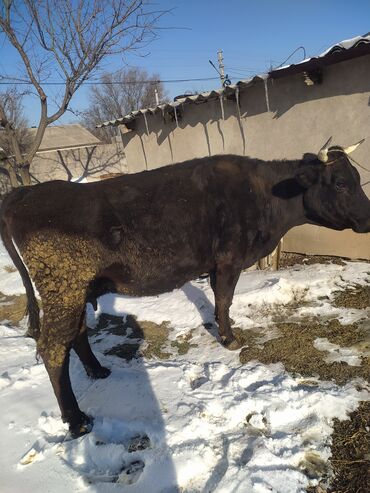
344	50
346	44
348	48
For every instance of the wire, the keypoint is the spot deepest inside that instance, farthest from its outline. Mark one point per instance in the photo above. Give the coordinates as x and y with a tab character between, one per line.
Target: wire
99	82
239	75
290	56
237	69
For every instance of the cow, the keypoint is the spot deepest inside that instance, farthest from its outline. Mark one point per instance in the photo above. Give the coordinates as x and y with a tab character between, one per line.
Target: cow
151	232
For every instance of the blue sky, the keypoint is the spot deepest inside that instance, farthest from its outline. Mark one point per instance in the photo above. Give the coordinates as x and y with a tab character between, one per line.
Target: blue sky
252	34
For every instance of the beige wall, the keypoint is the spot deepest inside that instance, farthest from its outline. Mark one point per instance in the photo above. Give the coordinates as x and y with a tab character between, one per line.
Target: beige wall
89	163
293	119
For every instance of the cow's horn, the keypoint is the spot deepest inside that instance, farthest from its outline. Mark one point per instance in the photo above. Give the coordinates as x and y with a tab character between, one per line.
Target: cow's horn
323	152
350	149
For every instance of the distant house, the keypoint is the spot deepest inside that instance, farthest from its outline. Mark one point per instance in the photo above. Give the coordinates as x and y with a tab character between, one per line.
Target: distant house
282	114
71	152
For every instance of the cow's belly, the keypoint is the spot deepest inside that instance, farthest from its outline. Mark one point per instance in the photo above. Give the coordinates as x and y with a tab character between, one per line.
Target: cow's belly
146	284
151	273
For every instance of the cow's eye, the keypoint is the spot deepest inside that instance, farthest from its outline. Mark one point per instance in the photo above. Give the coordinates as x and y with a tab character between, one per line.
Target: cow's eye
340	186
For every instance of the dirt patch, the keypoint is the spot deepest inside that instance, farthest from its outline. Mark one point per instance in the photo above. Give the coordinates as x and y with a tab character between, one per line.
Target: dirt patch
290	259
10	269
357	297
295	349
13	308
143	338
350	458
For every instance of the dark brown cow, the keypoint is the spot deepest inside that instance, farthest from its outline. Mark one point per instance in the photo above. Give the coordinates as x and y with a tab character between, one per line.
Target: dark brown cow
151	232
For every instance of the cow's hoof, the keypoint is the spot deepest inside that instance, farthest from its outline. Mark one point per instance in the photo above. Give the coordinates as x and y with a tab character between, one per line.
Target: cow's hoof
231	344
84	426
100	372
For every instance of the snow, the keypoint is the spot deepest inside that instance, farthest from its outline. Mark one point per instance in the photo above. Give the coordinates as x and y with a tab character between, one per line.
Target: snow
336	353
212	424
347	43
10	282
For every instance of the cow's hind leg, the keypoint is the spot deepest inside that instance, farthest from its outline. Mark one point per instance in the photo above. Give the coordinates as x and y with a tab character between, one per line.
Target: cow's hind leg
62	266
83	349
59	329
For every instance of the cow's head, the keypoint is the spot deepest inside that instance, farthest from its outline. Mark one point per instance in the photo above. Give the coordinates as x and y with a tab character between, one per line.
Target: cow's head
333	195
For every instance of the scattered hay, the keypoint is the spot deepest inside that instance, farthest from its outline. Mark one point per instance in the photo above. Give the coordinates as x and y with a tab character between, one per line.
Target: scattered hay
295	349
182	343
350	457
313	465
156	337
290	259
280	312
10	269
248	337
13	308
358	297
144	338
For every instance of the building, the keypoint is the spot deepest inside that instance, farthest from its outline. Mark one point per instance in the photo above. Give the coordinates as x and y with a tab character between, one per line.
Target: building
71	152
283	114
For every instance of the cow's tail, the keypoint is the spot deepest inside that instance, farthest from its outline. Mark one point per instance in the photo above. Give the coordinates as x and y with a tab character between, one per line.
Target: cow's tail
33	310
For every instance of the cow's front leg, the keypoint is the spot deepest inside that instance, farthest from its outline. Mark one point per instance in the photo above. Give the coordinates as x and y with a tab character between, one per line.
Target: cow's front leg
83	349
223	282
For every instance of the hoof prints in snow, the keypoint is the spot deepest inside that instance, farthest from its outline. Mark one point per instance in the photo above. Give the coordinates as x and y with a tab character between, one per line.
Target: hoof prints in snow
108	454
129	474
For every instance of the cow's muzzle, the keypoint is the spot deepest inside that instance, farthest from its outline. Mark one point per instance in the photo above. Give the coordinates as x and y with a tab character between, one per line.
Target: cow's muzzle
362	228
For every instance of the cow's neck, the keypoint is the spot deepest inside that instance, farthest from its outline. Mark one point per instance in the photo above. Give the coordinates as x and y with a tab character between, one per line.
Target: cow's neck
287	210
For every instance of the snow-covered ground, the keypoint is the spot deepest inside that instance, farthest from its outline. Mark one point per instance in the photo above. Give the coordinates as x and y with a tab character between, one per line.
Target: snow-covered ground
209	424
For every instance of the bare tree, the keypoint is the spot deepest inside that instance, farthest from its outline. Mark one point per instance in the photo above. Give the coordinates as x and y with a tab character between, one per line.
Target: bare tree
120	93
13	131
67	40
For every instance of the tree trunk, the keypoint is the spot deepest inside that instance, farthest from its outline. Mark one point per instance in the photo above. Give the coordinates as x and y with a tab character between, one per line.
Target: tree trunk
12	174
24	171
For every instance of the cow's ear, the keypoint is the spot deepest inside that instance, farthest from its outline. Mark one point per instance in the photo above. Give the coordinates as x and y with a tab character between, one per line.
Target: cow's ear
307	175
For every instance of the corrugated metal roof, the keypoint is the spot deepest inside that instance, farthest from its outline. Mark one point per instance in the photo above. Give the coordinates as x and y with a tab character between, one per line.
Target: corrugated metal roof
195	98
346	44
346	49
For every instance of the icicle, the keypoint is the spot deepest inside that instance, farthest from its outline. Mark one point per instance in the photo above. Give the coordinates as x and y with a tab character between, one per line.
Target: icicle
241	126
238	101
177	122
222	107
267	95
146	123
